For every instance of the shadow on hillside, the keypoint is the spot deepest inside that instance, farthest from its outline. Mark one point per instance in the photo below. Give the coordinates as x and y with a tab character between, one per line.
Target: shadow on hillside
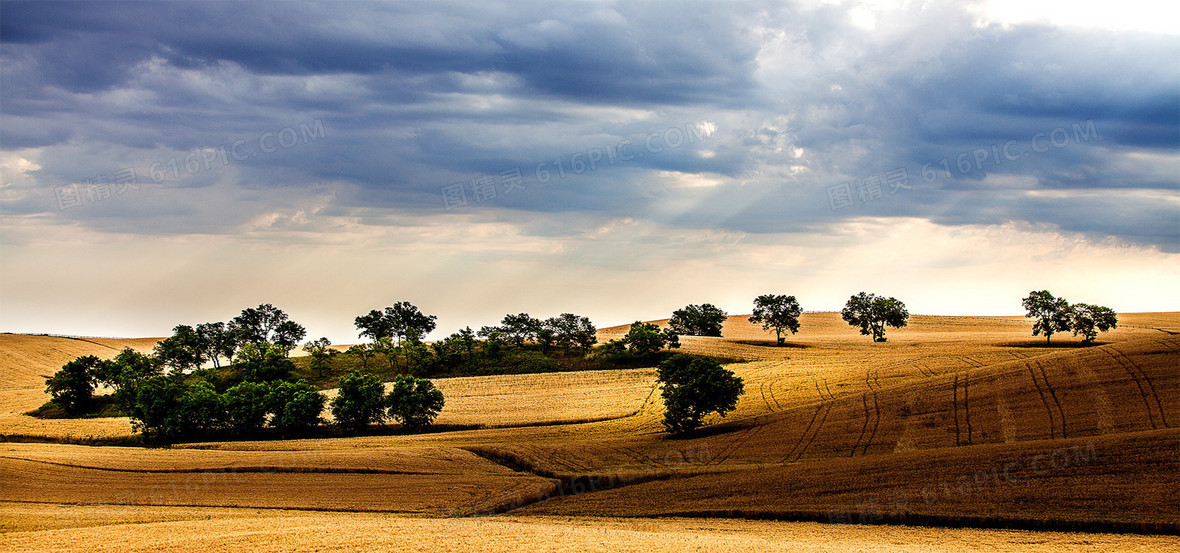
715	430
772	344
1052	345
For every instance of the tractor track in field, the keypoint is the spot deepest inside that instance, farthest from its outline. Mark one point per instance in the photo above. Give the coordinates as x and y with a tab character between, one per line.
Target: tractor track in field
967	406
777	405
864	398
955	409
1044	400
762	390
1150	385
814	425
1052	394
873	381
1136	373
966	416
742	438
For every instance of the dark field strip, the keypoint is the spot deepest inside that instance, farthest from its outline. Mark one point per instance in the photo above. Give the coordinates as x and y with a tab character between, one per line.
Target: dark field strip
1117	483
221	470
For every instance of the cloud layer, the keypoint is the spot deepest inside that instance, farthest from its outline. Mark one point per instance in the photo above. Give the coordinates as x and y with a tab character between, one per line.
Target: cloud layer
559	127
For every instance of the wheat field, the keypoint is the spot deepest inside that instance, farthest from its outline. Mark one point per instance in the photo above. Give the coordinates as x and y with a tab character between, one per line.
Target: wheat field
954	421
118	529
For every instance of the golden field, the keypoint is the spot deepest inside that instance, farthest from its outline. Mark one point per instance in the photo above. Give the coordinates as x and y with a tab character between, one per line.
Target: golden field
955	421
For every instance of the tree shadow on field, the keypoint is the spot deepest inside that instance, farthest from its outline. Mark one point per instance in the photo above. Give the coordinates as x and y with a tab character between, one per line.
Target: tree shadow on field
715	430
772	344
1051	345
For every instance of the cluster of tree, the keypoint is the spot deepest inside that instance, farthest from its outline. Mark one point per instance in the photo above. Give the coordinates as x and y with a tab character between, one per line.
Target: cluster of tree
172	405
361	401
189	347
169	396
1052	315
697	320
642	341
519	340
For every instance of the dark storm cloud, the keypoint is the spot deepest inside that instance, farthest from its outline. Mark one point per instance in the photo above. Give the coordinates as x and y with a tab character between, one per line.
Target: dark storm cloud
416	96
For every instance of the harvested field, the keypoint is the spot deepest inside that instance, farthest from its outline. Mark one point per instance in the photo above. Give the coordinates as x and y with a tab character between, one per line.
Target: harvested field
832	427
100	529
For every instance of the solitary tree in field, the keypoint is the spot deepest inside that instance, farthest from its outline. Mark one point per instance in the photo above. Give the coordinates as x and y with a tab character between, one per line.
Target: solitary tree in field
778	312
1051	315
693	388
872	313
361	401
1088	320
414	402
697	320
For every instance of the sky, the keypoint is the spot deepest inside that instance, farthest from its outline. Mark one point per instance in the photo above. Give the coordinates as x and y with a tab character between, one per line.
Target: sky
167	163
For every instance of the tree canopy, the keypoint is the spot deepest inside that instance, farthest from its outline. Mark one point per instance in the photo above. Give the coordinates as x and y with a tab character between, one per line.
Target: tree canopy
698	320
1050	314
401	321
779	312
694	387
872	313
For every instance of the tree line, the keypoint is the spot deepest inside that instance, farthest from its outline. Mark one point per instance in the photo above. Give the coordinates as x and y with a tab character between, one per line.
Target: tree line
169	395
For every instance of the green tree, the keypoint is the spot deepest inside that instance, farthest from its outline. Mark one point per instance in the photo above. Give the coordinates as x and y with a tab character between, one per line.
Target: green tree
698	320
72	387
217	342
201	410
156	410
780	312
321	353
266	324
493	341
296	405
388	349
872	313
264	362
693	388
520	328
1088	320
571	331
647	338
414	402
401	321
124	373
183	351
1051	314
364	352
360	402
246	406
418	357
